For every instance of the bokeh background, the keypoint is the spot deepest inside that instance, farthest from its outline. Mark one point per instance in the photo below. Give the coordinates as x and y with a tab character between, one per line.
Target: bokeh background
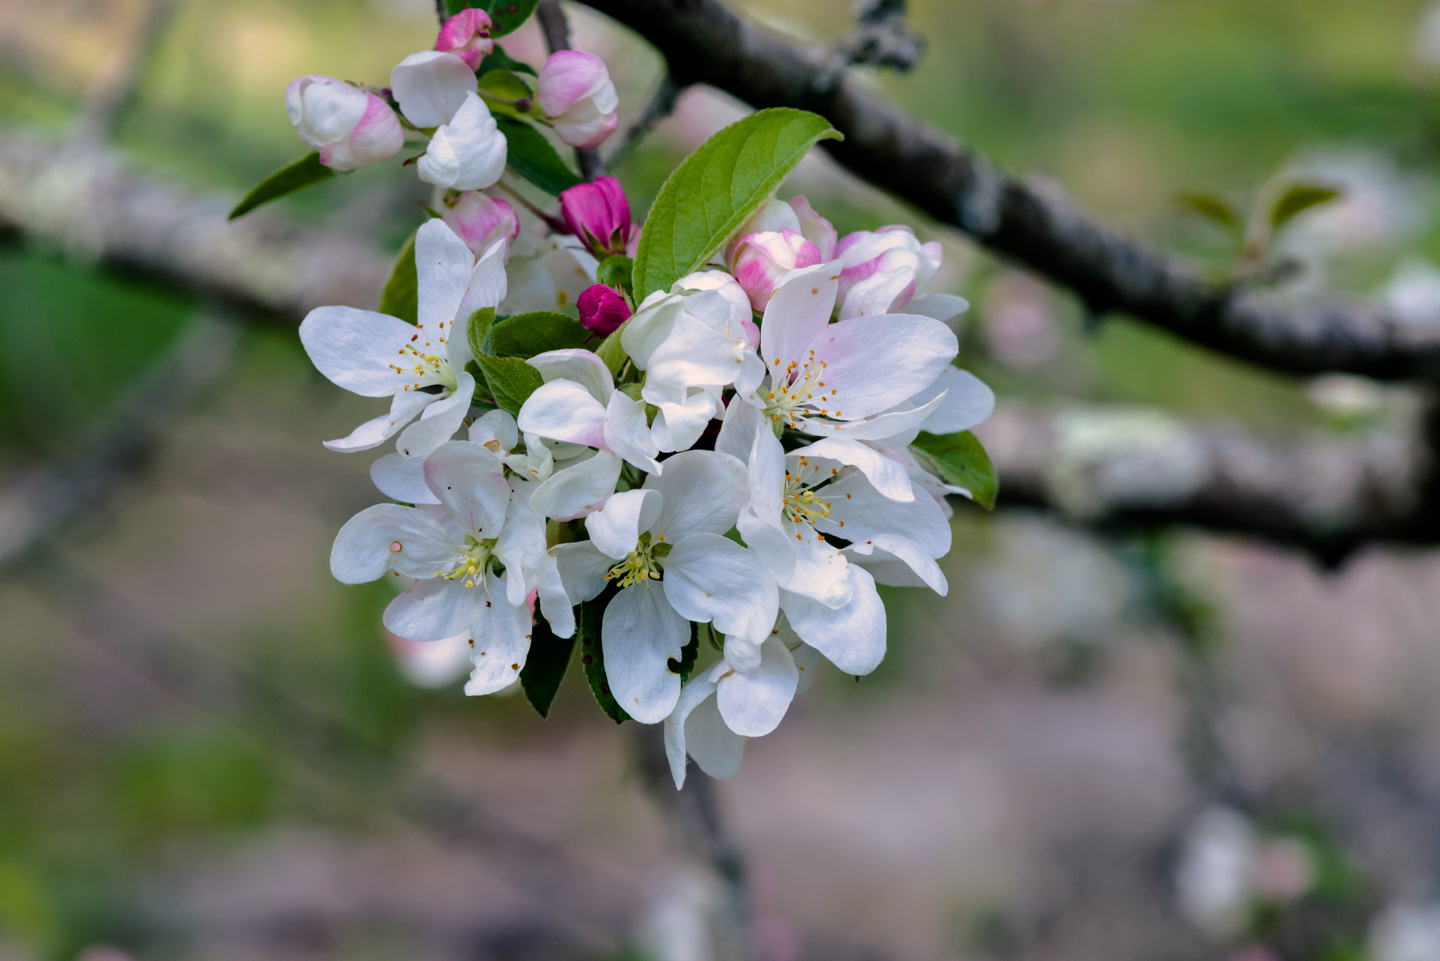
1164	746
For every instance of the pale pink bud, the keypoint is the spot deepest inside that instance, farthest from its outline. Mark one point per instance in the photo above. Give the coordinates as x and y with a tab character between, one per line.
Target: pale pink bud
814	227
467	35
599	214
882	270
575	94
349	127
602	309
480	220
762	260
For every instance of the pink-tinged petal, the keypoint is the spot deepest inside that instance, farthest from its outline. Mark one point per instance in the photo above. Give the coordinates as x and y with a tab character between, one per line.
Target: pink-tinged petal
433	609
439	422
377	137
797	314
463	478
576	364
468	153
467	35
709	578
763	260
773	216
599	214
884	292
703	492
754	702
502	638
586	125
874	363
324	110
366	547
431	87
639	634
374	432
615	528
480	220
814	227
355	349
564	410
851	637
602	309
568	77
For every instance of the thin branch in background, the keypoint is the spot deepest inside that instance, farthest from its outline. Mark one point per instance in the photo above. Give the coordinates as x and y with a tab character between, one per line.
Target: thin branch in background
116	92
441	13
694	816
557	37
661	105
880	39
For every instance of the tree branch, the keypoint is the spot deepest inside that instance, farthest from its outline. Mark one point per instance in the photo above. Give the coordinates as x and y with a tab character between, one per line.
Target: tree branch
1034	225
557	37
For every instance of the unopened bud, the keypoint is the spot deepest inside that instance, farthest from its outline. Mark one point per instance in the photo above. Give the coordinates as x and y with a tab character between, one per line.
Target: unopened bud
602	309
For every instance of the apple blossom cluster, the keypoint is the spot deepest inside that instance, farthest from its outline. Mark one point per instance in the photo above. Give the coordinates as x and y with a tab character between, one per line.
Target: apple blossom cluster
699	486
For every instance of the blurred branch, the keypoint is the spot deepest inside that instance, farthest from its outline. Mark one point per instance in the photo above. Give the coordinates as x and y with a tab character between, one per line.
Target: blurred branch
880	38
81	481
557	37
116	91
661	105
1031	223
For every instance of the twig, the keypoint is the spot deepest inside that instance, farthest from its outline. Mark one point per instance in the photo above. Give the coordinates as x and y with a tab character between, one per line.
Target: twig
441	13
660	106
695	818
1033	224
114	95
557	37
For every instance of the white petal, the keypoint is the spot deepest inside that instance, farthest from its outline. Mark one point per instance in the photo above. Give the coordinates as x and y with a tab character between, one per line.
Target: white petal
627	433
866	513
798	313
694	355
564	410
468	153
496	425
521	548
442	265
678	426
967	402
431	86
703	492
883	554
887	426
715	748
852	637
945	308
486	288
738	429
888	476
578	489
582	366
374	432
711	578
754	702
431	610
402	478
355	348
555	603
462	476
581	569
696	690
807	661
640	633
501	632
615	528
439	422
363	548
874	363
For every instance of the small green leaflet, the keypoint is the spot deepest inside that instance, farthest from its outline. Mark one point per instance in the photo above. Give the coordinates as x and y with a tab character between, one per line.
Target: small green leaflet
401	296
510	380
288	179
611	351
960	460
531	156
545	665
507	15
1299	198
526	335
688	654
1212	207
716	189
617	271
588	619
504	85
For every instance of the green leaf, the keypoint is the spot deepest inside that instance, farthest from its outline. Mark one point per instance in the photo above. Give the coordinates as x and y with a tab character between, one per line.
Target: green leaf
1298	199
526	335
1210	206
498	59
534	158
545	666
511	380
401	296
962	461
477	331
592	656
612	353
504	83
716	189
288	179
507	15
617	271
688	654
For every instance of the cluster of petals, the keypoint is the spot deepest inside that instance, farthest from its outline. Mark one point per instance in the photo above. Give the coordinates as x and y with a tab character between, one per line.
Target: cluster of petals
437	90
577	97
349	127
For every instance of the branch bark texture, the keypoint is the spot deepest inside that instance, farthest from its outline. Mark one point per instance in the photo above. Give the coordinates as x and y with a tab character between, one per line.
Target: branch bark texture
1031	224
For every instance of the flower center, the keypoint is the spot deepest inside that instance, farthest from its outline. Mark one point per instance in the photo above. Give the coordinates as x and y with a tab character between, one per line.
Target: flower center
475	558
798	386
429	370
641	564
801	503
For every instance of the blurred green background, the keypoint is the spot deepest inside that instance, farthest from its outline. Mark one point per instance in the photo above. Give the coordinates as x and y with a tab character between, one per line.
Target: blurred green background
205	742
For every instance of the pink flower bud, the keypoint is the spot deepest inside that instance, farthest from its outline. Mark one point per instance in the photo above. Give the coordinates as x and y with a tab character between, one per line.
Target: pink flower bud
602	309
575	94
883	269
467	35
814	227
762	260
480	220
349	127
599	214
